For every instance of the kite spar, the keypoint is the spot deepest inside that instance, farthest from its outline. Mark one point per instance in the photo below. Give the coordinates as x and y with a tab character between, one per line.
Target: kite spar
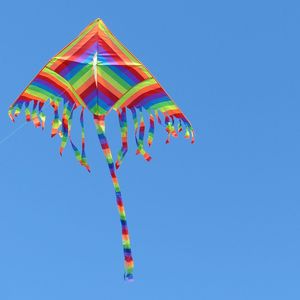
95	72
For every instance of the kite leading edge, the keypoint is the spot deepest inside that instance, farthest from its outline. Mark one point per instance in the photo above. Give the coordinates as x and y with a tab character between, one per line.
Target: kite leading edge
98	73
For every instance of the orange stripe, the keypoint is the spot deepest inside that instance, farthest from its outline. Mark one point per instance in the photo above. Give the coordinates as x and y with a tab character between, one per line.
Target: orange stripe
85	85
33	97
129	264
125	237
173	112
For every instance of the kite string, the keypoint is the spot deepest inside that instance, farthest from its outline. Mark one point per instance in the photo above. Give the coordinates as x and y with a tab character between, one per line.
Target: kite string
12	133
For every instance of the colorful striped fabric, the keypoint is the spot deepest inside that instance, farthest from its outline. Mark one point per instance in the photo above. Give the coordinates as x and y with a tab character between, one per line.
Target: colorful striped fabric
96	72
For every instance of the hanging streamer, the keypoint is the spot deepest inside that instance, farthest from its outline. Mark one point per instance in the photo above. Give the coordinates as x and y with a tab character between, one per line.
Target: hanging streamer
124	132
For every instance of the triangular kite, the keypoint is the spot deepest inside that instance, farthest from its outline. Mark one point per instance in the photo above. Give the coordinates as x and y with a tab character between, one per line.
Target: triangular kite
96	72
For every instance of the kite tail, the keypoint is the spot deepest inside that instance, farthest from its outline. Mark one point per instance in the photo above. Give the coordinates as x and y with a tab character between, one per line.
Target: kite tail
128	261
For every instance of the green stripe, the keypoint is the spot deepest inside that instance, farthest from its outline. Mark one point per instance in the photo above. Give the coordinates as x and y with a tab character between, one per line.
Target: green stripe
41	93
164	106
81	77
98	110
113	78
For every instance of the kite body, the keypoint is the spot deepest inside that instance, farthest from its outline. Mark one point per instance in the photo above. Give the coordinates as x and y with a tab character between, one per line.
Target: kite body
96	72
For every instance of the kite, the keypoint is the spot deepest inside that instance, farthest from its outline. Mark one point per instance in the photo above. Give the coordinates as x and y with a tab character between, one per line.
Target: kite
96	72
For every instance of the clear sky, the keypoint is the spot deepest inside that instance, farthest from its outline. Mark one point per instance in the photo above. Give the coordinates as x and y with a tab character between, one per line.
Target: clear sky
216	220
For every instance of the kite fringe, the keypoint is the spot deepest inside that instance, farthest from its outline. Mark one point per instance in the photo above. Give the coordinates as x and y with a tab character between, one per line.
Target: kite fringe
124	136
60	126
139	130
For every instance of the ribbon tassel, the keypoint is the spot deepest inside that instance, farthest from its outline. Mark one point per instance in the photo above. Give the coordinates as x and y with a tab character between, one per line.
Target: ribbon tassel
56	121
65	126
151	130
140	140
27	112
34	115
124	133
81	157
42	116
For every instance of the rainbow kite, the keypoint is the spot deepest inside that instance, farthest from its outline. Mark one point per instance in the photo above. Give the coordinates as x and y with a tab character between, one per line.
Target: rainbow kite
96	72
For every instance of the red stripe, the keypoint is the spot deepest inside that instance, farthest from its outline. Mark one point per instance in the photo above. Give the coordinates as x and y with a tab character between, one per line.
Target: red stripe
23	98
105	146
128	258
178	115
88	91
107	93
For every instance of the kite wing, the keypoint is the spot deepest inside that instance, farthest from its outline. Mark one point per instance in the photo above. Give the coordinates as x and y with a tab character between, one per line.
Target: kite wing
98	73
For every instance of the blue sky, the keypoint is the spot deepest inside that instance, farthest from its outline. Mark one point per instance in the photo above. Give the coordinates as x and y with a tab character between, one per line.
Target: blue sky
219	219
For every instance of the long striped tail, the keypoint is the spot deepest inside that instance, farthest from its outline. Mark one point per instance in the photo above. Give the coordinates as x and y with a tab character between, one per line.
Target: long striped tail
128	261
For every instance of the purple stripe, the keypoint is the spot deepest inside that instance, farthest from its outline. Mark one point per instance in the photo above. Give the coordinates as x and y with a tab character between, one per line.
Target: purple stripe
147	99
105	98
